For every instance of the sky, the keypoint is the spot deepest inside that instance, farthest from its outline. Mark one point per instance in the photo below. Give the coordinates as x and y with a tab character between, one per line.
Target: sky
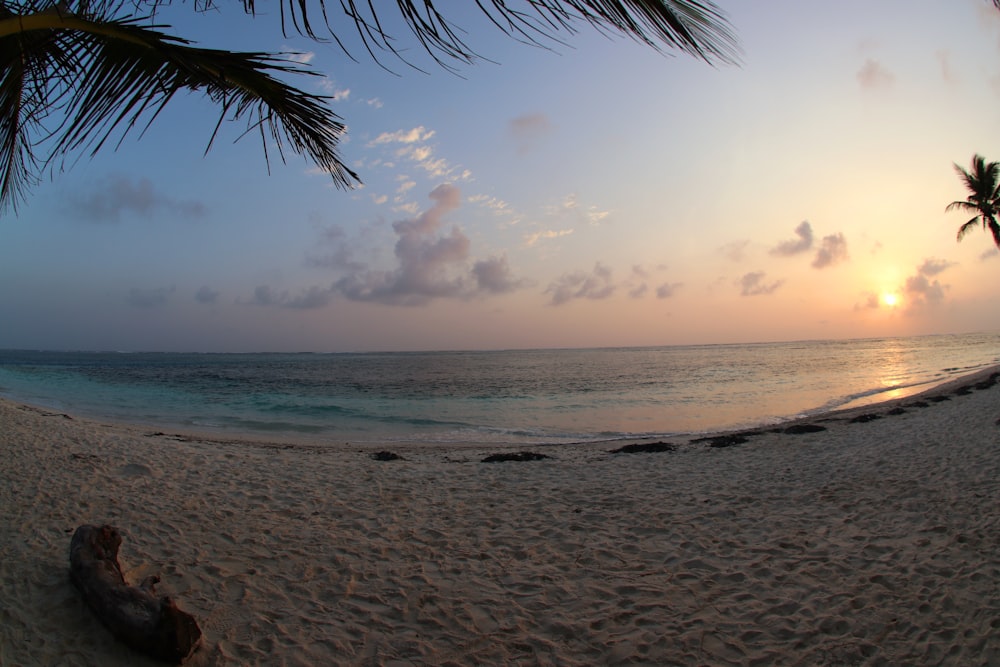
595	193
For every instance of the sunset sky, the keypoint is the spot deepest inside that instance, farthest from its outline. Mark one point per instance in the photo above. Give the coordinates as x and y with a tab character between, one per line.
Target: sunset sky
595	194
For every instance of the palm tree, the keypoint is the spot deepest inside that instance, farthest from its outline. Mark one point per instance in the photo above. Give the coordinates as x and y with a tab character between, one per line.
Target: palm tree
78	73
983	183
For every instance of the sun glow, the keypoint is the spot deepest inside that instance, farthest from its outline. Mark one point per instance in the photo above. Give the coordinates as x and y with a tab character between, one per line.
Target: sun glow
891	300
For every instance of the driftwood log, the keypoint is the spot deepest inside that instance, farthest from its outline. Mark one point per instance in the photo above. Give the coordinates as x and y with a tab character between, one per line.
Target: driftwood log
134	614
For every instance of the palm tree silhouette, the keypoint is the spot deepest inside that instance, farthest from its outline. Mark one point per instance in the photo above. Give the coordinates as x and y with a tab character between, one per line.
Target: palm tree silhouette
983	183
77	74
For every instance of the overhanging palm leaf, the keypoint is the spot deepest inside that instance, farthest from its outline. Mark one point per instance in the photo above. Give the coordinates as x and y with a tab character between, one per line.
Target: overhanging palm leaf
73	80
983	184
75	72
695	27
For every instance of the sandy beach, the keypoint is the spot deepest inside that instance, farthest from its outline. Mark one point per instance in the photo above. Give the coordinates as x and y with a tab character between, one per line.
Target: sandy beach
873	542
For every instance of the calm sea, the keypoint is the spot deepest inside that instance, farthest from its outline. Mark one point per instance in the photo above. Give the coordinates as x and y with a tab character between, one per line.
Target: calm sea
523	396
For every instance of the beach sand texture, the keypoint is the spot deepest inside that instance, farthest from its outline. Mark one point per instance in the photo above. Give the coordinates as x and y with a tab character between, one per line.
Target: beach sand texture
870	543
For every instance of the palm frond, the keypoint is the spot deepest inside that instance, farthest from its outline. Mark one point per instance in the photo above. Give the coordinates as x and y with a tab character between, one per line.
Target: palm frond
961	206
17	160
76	73
694	27
994	228
967	227
101	77
982	180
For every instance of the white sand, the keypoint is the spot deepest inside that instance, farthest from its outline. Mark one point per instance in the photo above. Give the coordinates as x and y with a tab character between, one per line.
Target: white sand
867	544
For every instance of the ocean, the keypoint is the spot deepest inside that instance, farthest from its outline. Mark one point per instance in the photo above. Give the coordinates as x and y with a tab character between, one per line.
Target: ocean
499	397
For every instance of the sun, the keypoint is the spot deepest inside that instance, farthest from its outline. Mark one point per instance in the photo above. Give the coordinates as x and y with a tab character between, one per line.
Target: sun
889	299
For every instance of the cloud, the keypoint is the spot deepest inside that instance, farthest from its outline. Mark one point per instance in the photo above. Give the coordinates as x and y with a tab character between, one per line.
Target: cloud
832	250
753	284
874	76
313	297
149	298
528	130
872	302
667	290
120	194
411	145
932	267
334	251
532	239
991	253
637	285
263	295
796	246
300	57
580	285
493	276
423	157
570	208
339	94
431	264
921	290
412	136
499	207
206	294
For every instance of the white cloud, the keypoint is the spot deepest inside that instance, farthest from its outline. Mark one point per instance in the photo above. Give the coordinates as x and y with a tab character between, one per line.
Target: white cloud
431	263
301	57
412	136
532	239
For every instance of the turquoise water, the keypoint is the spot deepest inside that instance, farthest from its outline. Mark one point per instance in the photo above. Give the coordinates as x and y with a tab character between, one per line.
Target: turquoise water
522	396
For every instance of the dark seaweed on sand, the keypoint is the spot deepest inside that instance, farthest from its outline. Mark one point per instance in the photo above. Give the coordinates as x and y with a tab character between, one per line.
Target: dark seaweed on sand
867	417
988	382
518	456
643	447
386	456
721	441
797	429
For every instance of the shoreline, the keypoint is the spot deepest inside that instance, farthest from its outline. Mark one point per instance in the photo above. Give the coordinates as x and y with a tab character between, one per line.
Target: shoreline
639	403
256	439
874	541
